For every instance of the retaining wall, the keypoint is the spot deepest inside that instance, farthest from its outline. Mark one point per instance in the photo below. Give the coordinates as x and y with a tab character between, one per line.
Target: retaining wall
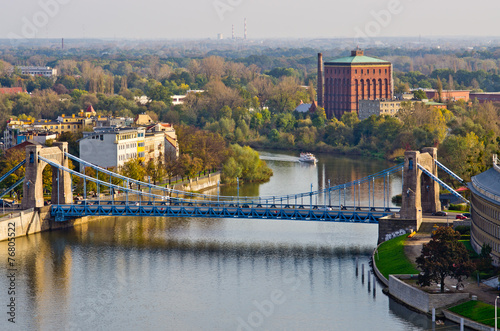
390	227
199	184
422	300
467	322
36	220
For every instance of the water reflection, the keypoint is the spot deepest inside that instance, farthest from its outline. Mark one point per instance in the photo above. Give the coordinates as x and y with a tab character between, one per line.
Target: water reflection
207	274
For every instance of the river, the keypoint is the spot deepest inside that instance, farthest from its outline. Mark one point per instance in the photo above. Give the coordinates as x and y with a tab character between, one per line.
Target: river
210	274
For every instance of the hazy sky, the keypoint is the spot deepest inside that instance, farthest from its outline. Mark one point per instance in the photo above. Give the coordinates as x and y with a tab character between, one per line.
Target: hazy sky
266	18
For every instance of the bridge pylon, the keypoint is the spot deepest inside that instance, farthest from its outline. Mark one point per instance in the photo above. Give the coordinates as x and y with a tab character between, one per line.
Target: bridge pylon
33	183
420	192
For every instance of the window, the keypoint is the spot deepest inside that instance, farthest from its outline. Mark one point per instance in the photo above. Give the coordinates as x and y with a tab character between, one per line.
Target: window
101	137
69	126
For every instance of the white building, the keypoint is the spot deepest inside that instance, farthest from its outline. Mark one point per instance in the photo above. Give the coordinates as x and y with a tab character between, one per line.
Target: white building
368	108
39	71
112	147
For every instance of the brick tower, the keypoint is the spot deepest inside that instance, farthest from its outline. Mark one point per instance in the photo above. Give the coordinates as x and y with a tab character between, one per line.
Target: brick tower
350	79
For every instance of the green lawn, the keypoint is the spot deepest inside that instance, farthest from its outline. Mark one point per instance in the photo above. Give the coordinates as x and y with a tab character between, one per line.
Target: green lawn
391	258
477	311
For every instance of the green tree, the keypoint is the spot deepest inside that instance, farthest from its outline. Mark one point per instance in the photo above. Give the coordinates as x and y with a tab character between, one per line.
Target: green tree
444	256
420	94
134	169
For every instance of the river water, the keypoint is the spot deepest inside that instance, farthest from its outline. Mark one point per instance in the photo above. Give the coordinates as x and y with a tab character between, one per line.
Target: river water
209	274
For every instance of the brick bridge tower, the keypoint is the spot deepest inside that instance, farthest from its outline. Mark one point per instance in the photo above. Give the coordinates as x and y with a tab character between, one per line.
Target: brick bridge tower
33	182
420	192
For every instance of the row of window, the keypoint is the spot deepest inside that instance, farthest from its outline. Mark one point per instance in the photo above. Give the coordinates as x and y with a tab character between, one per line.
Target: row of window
481	240
127	156
127	146
486	209
347	71
62	127
101	137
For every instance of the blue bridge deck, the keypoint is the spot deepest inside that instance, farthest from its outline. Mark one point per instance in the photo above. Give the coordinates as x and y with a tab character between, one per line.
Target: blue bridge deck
214	210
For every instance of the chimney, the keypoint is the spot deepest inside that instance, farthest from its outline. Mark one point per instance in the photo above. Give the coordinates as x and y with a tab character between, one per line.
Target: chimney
320	80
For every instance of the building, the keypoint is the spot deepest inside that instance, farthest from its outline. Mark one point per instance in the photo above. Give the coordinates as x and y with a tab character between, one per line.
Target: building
448	95
306	107
39	71
11	90
350	79
368	108
111	147
485	97
485	211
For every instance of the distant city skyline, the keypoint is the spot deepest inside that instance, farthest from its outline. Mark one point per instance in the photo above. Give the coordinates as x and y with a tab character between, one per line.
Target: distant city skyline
363	19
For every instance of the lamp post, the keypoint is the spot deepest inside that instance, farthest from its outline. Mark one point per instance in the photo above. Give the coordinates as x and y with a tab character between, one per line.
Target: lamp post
496	322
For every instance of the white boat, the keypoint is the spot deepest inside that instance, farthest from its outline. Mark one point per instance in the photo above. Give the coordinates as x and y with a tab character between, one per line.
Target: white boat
307	157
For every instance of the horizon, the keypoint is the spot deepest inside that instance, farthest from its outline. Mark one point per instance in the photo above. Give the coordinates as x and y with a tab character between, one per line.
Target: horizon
366	20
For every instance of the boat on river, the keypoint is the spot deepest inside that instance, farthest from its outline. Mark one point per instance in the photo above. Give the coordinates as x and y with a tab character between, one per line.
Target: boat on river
307	158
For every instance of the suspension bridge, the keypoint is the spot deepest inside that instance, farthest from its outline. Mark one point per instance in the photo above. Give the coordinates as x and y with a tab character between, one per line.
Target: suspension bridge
130	197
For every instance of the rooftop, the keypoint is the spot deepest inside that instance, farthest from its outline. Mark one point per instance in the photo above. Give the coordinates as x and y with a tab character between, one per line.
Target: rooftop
488	181
357	57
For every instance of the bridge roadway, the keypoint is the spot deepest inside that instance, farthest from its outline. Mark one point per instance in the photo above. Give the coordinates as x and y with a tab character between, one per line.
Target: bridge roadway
209	209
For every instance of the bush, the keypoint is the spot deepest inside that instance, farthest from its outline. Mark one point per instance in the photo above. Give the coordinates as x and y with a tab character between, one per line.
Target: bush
463	229
397	200
459	207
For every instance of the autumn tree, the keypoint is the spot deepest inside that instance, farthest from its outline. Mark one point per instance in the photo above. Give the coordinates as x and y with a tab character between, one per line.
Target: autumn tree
155	170
133	169
444	256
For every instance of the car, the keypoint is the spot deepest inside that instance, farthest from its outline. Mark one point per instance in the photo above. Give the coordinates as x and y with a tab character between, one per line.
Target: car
461	217
440	213
4	203
466	215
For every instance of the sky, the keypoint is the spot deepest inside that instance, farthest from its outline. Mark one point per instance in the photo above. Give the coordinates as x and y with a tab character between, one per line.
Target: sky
167	19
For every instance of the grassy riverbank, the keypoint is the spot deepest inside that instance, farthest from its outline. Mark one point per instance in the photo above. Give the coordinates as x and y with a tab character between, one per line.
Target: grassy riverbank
391	259
477	311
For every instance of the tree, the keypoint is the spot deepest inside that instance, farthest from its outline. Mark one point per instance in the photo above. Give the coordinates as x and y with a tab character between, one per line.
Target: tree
420	94
155	170
133	169
444	256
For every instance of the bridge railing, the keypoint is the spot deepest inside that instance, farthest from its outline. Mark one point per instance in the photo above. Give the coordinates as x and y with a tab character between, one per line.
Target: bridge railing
178	193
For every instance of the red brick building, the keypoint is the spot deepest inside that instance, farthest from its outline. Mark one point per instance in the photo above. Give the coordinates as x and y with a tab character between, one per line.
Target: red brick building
485	97
446	95
357	77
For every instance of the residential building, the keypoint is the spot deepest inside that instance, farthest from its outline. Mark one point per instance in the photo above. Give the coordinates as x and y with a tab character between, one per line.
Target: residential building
110	147
38	71
368	108
485	211
143	120
350	79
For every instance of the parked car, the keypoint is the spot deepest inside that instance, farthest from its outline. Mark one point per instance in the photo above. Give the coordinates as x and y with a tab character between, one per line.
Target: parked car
4	203
440	213
466	215
461	217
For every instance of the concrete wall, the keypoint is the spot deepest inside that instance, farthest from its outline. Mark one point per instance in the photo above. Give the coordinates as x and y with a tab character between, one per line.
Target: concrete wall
467	322
419	299
199	184
389	227
36	220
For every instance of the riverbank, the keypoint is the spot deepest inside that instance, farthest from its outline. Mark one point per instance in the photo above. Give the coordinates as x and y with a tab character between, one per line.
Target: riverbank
403	287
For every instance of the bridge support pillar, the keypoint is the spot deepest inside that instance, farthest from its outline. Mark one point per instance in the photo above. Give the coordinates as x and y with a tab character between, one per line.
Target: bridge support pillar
429	187
33	182
420	192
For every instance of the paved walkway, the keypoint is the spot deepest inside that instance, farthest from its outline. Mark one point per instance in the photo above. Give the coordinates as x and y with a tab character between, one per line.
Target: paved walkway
413	249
